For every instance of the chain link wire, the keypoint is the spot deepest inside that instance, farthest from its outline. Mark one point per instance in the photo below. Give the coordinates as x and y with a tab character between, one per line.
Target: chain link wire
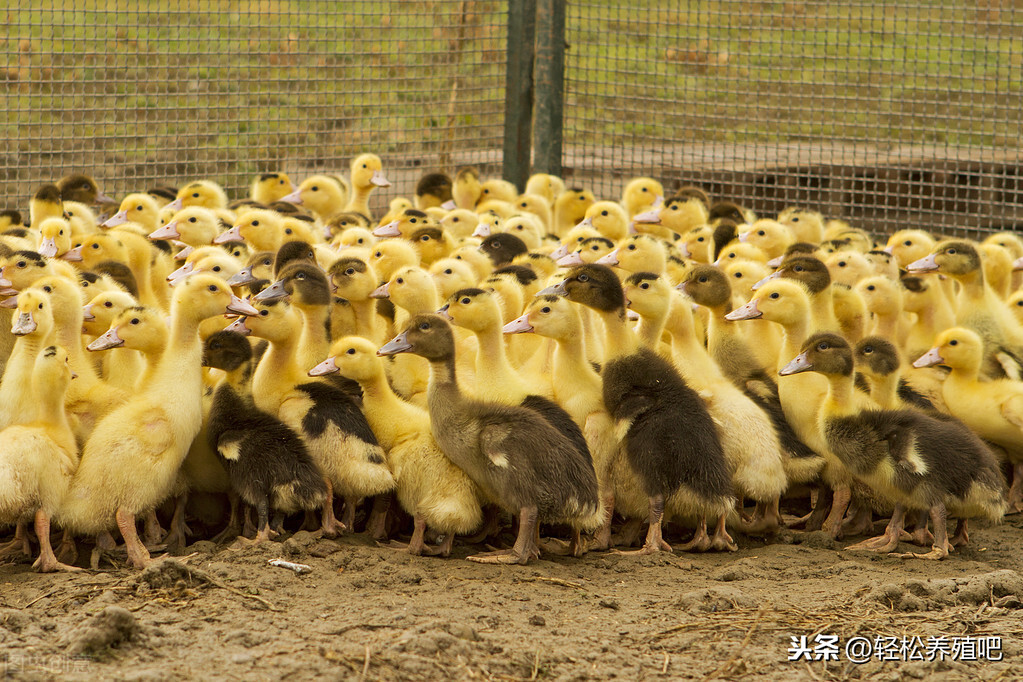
142	93
889	113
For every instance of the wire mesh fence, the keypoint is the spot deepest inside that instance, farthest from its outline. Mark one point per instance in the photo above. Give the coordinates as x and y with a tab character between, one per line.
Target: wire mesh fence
138	93
888	112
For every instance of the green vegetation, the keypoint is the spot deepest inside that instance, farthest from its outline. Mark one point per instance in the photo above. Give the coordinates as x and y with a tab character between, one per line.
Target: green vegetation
140	93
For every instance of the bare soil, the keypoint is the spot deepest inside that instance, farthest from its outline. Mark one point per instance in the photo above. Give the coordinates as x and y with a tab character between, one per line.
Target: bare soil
369	612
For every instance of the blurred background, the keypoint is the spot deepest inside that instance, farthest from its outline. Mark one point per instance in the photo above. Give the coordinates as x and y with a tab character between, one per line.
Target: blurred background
890	113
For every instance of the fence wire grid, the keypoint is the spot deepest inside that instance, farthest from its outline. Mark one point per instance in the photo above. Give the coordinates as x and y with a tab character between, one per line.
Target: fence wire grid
887	112
139	93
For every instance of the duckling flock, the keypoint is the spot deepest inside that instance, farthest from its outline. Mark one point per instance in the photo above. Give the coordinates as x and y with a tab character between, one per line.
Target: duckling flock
570	362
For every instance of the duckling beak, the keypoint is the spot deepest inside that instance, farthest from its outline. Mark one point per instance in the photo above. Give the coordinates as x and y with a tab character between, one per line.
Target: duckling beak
399	344
744	236
168	231
176	205
328	366
799	364
241	306
443	312
242	277
631	315
48	247
775	262
1017	264
74	255
559	252
554	290
388	230
119	218
108	340
272	293
773	275
652	216
238	326
381	291
927	264
586	222
683	249
609	259
87	315
73	375
519	325
181	273
632	227
232	235
379	179
929	359
658	202
24	324
293	198
890	250
4	282
449	205
750	311
103	199
482	230
573	258
183	253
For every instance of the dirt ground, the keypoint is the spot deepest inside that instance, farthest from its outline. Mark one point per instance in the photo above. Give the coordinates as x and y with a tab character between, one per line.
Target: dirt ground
367	612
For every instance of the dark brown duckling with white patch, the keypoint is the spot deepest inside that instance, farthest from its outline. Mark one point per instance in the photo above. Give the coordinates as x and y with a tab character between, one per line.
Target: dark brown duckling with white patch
918	462
671	441
267	462
514	455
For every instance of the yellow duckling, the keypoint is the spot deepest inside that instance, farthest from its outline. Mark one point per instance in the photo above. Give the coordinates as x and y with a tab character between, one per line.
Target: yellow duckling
496	189
367	174
205	193
450	275
321	194
675	216
547	187
806	225
537	206
609	219
466	189
570	209
641	195
270	187
138	208
56	237
434	491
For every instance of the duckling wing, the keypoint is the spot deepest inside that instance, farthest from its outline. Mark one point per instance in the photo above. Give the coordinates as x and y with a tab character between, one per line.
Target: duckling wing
494	441
1012	410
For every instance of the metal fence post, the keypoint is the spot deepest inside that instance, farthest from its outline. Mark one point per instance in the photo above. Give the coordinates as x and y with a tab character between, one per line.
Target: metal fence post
550	85
518	98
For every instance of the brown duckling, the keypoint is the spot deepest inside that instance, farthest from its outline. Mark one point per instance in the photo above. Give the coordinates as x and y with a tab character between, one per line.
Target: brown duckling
511	453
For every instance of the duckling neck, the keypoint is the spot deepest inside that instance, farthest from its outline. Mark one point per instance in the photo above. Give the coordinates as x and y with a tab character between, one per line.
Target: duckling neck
51	414
964	375
495	378
181	363
315	340
573	375
887	325
366	318
424	302
650	329
391	418
884	391
691	358
839	402
70	336
359	203
276	374
620	340
822	310
796	334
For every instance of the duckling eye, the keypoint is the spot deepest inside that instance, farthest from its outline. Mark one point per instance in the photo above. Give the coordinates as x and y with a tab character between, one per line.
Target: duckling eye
48	289
823	346
867	350
584	278
702	280
546	309
871	287
281	181
350	351
796	219
761	233
255	223
363	165
448	271
674	207
604	213
108	304
424	325
267	262
264	313
455	220
351	271
401	280
216	268
523	204
950	252
642	189
486	191
378	254
632	247
191	220
40	306
1019	303
61	232
644	285
212	287
22	263
841	264
134	320
287	231
953	342
798	268
195	195
359	240
738	275
315	188
700	239
95	246
413	221
465	301
775	296
138	208
425	238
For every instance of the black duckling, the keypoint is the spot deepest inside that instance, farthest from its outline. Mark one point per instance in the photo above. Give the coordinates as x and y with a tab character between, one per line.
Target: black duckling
267	462
259	266
290	252
919	462
514	455
671	441
433	189
880	362
502	248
